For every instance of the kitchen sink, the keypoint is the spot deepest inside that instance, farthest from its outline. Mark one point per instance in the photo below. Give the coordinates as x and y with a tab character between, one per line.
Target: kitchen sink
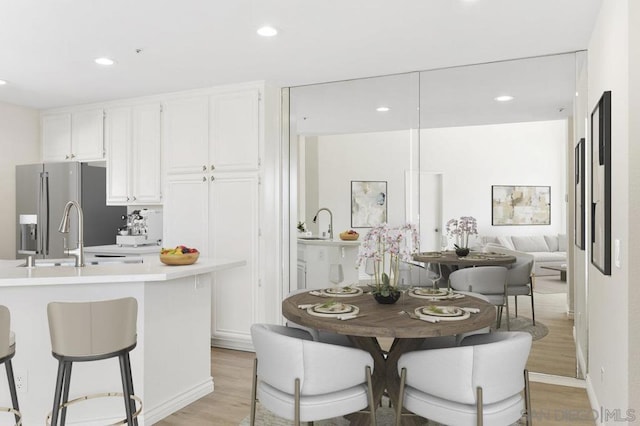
93	260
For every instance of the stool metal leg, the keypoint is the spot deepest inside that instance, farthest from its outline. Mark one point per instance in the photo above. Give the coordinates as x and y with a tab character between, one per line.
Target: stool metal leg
65	391
58	394
126	391
12	387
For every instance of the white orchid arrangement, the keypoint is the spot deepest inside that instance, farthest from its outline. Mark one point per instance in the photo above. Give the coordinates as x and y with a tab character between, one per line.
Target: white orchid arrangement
461	228
386	247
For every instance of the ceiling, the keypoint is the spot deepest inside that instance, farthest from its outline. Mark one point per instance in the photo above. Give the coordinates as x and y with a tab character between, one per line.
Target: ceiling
48	46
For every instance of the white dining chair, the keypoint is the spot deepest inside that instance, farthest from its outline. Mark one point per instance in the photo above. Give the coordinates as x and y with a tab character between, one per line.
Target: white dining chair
490	281
318	335
299	379
519	276
479	382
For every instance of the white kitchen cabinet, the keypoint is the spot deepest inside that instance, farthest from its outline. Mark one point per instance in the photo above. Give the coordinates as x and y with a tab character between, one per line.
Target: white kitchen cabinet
315	256
186	212
214	132
186	135
214	140
73	136
133	142
234	130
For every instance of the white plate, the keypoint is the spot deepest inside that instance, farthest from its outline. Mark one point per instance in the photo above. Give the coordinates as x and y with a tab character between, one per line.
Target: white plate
427	314
429	293
336	309
441	311
342	291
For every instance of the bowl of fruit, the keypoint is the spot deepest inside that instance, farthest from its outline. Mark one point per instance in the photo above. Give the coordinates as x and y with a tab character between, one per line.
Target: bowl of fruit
349	235
181	255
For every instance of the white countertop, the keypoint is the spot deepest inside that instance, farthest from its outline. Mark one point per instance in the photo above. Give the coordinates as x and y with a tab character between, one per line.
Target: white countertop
327	242
12	275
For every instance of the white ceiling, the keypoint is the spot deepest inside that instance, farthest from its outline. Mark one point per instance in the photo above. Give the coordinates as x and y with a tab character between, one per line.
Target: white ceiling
47	47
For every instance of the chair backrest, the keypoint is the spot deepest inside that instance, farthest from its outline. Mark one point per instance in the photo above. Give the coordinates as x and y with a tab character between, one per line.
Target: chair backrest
519	273
483	280
286	353
5	331
82	329
493	361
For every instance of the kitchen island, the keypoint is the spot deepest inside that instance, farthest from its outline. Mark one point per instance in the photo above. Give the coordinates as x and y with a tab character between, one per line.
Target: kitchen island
171	364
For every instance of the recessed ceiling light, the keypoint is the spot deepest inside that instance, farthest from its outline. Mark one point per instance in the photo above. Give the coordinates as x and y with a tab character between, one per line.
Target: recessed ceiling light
2	82
383	109
267	31
104	61
503	98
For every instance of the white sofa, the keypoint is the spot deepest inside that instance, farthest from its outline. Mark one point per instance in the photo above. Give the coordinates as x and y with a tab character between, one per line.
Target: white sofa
547	250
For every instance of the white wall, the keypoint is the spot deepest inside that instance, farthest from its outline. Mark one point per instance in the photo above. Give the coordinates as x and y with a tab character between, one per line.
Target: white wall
474	158
383	156
20	144
614	300
471	159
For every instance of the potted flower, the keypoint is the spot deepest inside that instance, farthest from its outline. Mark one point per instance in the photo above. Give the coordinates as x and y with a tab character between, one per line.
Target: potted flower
460	229
385	247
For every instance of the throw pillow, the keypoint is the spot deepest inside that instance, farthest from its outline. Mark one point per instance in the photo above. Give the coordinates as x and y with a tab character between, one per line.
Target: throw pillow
552	242
562	242
530	243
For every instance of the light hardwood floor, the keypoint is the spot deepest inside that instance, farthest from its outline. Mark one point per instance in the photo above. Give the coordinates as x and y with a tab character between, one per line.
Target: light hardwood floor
552	405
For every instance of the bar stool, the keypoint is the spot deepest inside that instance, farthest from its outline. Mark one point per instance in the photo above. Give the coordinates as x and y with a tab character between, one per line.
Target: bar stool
7	351
91	331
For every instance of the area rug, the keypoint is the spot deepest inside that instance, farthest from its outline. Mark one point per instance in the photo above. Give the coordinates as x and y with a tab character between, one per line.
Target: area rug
549	285
521	323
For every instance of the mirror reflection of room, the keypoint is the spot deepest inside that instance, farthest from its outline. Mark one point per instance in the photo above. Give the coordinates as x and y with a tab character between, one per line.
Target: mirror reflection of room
440	140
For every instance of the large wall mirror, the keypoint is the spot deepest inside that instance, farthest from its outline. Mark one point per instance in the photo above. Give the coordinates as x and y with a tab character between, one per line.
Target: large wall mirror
440	140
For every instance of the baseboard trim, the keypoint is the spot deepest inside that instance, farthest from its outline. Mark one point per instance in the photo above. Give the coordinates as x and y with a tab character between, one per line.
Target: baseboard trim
166	408
551	379
235	344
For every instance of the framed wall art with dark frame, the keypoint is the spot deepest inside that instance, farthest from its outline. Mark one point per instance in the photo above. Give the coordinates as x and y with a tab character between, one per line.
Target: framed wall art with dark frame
601	184
579	210
368	203
520	205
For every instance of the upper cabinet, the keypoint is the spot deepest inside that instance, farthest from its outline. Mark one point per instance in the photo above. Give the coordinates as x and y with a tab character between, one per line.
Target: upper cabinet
133	144
73	136
215	132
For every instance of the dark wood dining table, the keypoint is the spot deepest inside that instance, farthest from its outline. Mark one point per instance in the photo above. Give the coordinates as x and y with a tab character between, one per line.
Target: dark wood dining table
474	258
377	320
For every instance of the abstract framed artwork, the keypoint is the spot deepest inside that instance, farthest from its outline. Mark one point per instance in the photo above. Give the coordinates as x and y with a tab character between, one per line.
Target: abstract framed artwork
520	205
579	210
601	184
368	203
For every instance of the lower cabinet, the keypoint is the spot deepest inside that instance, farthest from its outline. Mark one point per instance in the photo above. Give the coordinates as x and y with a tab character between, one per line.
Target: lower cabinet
219	215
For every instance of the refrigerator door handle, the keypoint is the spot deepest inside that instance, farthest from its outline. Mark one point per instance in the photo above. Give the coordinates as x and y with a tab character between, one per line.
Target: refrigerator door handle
43	215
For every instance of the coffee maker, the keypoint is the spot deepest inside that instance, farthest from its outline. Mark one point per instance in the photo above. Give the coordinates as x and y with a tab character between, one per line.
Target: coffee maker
142	227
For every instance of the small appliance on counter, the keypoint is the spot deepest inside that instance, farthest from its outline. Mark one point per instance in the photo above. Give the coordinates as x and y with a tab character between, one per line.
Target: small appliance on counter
143	227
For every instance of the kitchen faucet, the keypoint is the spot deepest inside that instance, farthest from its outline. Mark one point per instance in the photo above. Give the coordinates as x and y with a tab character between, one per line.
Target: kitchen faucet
315	218
78	252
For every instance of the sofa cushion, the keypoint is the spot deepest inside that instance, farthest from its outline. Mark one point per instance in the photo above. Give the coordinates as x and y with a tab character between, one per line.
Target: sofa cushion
562	242
505	241
552	242
549	256
530	243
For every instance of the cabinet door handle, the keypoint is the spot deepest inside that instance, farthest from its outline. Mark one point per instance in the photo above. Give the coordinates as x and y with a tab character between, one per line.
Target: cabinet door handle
66	157
213	167
128	199
212	178
204	178
73	156
134	198
204	168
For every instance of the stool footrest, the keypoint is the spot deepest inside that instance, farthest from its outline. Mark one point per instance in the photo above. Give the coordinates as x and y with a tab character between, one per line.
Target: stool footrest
95	396
14	412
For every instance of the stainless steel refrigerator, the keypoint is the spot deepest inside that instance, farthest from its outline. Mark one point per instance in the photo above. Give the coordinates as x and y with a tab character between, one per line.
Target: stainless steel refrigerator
42	190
